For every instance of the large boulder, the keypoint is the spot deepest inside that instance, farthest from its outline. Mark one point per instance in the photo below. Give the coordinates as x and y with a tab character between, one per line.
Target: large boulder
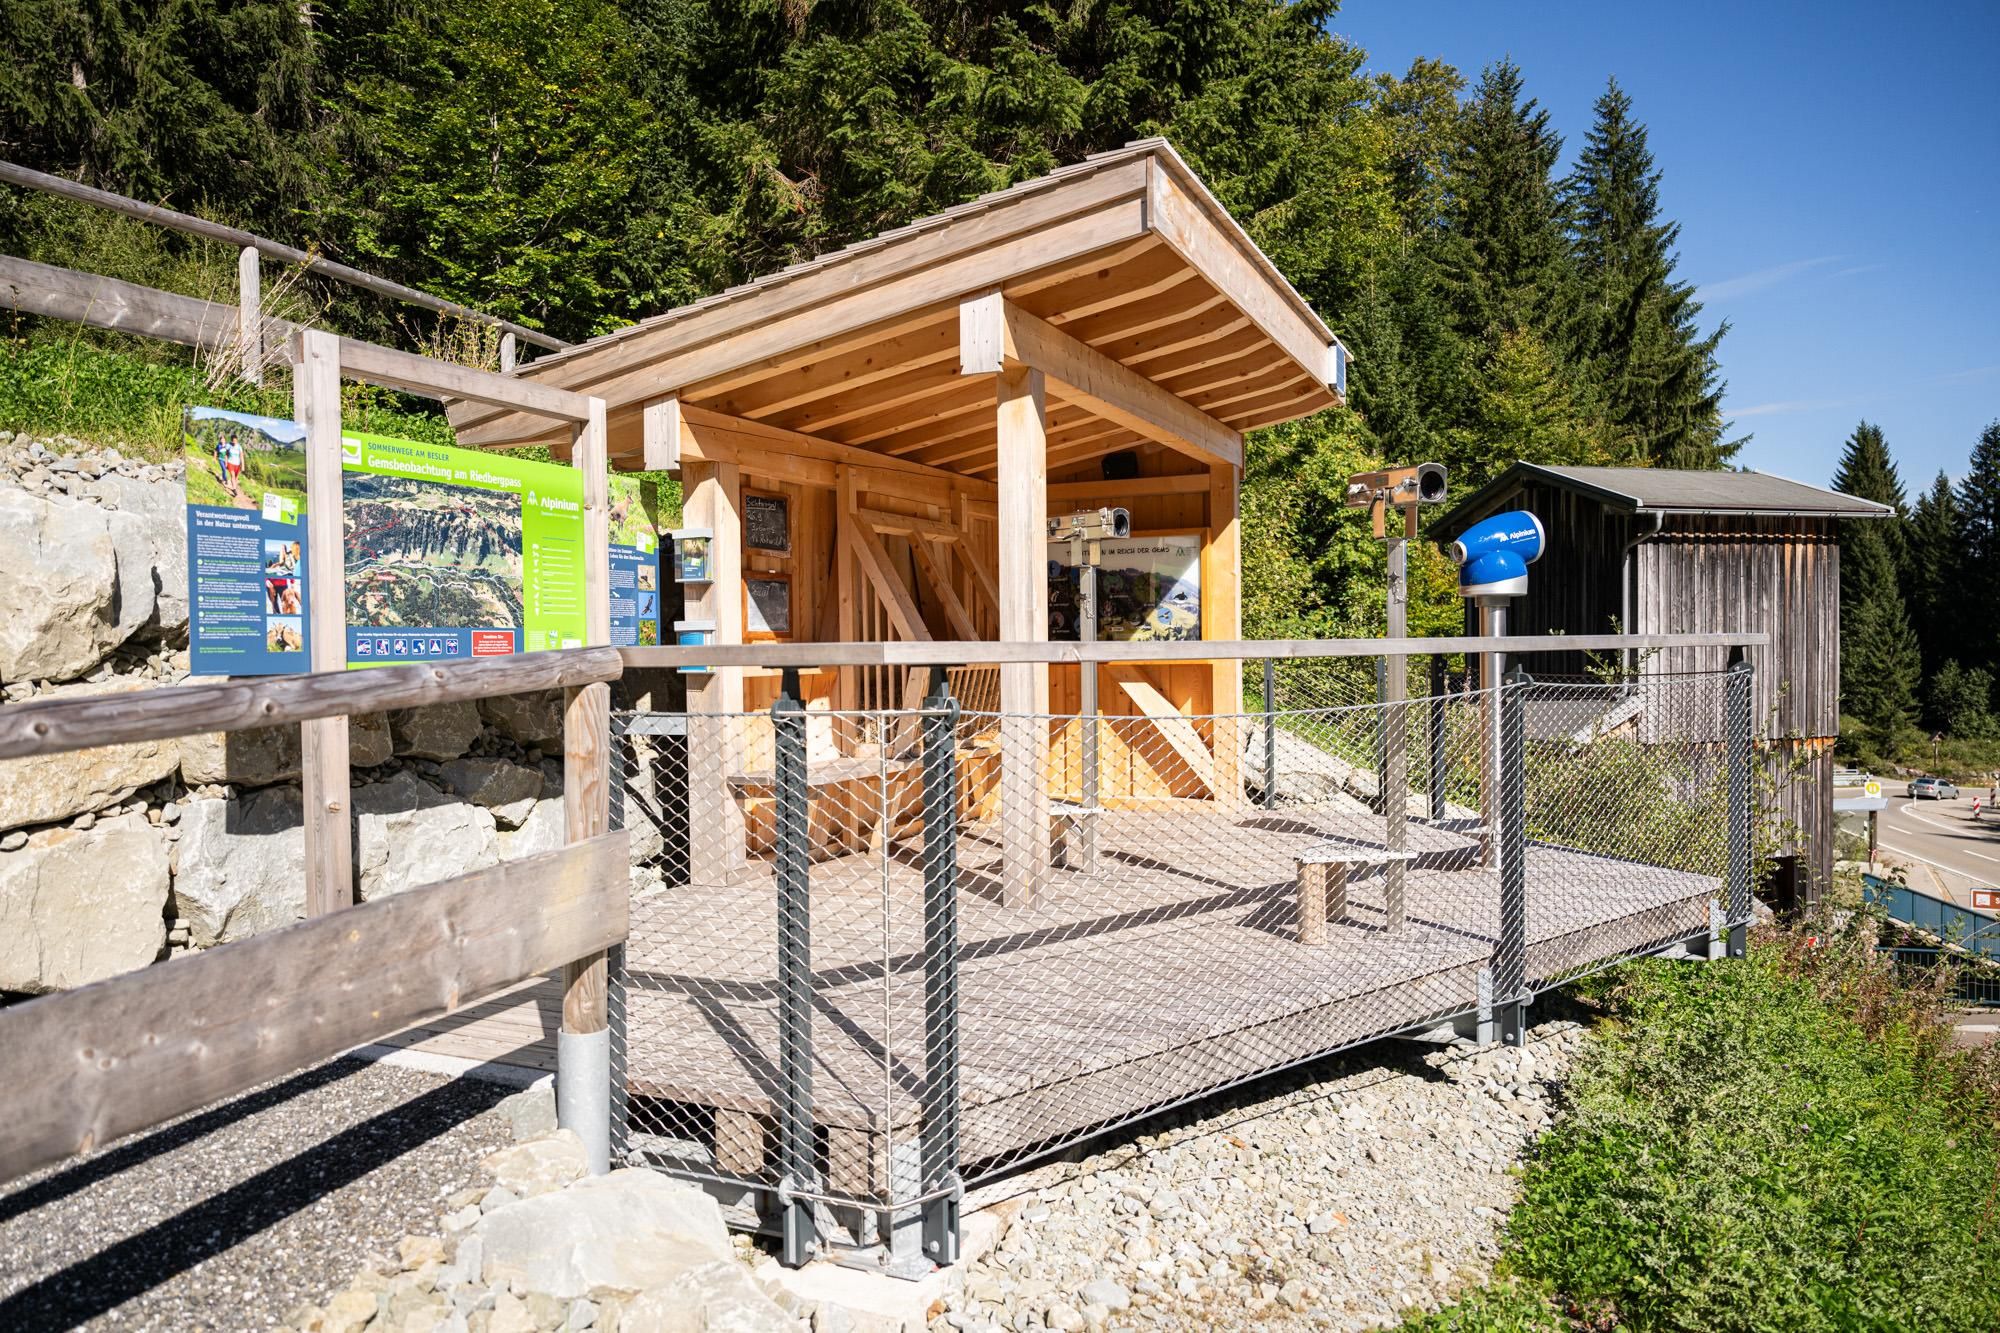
717	1297
59	594
529	719
80	905
629	1231
48	789
508	790
407	834
538	1166
240	866
262	756
136	554
436	731
161	508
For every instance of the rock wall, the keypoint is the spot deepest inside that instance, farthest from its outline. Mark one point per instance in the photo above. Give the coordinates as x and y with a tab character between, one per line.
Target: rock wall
114	857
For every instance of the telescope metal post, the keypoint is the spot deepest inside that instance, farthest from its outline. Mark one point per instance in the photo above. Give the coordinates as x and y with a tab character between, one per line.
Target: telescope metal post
1394	790
1492	624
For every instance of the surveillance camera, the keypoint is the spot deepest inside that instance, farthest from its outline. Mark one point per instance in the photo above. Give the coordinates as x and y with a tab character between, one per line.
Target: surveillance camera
1493	556
1092	524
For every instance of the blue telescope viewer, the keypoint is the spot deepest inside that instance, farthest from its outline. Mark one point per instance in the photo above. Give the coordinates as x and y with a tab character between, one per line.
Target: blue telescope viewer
1493	555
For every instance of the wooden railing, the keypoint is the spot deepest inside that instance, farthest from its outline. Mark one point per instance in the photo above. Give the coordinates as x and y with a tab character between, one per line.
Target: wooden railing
80	1069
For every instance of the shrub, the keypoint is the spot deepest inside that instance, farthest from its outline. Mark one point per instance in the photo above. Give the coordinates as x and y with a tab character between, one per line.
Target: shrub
1781	1144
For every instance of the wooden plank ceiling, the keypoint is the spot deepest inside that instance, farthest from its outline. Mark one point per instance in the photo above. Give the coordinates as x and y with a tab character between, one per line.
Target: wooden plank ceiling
892	384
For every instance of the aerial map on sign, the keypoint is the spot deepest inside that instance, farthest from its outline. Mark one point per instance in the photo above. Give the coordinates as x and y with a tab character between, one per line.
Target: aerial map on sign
429	554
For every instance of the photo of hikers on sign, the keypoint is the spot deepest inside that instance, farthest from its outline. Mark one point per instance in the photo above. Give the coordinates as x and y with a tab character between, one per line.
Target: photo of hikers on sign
244	461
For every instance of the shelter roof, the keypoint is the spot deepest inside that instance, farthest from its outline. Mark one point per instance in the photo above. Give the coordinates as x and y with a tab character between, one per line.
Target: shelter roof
1126	252
1645	490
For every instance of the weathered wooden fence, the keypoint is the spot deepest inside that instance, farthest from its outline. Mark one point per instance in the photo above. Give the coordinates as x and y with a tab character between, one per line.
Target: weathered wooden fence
80	1069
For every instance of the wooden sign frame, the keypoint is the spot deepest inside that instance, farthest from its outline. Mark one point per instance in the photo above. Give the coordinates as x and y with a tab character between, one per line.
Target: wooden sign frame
783	504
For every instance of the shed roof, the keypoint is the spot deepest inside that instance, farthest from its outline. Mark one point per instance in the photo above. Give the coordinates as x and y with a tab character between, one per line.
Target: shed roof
1645	490
1126	252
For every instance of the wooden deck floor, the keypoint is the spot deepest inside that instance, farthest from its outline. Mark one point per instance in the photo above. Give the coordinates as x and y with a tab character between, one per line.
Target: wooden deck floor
1174	967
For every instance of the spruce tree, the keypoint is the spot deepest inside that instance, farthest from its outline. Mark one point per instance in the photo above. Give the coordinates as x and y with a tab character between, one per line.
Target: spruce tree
1658	374
1978	555
1880	665
1870	570
1932	573
1507	264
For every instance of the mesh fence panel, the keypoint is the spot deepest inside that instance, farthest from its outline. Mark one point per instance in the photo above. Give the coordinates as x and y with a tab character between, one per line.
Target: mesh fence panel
879	954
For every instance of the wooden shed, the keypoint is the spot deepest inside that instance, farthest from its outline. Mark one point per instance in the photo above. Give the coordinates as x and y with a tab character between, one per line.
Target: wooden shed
874	439
1659	551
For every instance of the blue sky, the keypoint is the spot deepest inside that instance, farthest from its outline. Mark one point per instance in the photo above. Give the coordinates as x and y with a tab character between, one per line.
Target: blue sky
1836	171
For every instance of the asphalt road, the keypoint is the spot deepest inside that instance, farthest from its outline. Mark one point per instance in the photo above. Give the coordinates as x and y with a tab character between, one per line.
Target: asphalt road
1945	850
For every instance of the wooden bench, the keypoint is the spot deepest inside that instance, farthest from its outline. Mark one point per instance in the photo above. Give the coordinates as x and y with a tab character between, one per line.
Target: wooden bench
849	805
1324	870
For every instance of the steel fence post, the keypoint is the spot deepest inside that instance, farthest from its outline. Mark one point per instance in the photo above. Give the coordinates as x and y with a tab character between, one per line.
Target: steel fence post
1440	687
1740	726
1510	954
1270	733
795	1120
615	981
939	1143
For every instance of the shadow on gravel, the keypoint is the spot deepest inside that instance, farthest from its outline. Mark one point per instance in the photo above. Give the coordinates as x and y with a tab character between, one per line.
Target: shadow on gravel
140	1262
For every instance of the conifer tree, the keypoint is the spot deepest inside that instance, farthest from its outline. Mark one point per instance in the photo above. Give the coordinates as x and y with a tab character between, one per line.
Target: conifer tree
1978	555
1881	687
1508	261
1870	571
1932	574
1657	372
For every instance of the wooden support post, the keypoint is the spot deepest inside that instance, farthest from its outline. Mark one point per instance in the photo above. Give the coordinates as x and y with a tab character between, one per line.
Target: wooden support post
847	588
660	434
323	741
583	1049
250	315
715	824
1222	621
1024	618
509	354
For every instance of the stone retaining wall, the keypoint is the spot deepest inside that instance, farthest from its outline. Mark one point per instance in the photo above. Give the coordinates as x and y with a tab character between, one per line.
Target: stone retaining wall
114	857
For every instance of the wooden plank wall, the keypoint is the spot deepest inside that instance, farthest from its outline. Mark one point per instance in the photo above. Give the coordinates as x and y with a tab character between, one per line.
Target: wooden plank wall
1575	587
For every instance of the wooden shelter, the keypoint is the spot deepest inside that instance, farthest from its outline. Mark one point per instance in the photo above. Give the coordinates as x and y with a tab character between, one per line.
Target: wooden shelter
912	409
1659	551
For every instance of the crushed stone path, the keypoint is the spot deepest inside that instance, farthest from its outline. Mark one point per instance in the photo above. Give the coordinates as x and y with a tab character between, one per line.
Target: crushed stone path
229	1217
1343	1196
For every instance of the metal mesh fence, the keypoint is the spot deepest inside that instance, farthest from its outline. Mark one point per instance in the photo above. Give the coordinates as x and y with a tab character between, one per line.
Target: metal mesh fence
877	955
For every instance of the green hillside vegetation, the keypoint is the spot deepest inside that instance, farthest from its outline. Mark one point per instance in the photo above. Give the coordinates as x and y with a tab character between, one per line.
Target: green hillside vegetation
1787	1144
578	164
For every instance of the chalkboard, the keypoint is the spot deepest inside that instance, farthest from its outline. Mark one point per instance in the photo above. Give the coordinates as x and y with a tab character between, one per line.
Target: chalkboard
767	522
767	606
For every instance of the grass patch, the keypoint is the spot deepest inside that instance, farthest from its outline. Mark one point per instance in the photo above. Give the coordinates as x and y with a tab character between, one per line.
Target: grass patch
1785	1143
53	385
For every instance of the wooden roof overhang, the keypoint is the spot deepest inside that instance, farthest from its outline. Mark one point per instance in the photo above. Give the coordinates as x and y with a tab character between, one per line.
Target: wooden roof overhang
1152	316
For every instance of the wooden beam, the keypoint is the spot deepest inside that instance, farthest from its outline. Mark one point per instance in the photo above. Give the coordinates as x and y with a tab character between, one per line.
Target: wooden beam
1022	430
662	433
324	778
939	577
972	254
1105	492
880	570
59	725
1227	259
993	330
82	1069
407	370
589	457
907	525
1222	621
714	500
1174	728
161	216
705	424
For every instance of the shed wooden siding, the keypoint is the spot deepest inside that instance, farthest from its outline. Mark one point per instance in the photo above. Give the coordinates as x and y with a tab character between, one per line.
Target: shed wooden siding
1775	575
1704	574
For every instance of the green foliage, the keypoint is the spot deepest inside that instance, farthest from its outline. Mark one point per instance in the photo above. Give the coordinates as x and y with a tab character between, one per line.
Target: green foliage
1505	1307
52	386
1882	665
1782	1144
1961	699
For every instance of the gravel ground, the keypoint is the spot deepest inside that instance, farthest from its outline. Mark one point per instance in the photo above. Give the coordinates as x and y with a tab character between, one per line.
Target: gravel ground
230	1217
1356	1191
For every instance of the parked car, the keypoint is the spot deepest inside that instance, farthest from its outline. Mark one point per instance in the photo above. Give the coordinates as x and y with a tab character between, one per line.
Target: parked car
1932	789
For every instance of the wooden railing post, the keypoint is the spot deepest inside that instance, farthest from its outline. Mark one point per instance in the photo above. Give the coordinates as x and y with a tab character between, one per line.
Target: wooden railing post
323	741
583	1047
250	315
